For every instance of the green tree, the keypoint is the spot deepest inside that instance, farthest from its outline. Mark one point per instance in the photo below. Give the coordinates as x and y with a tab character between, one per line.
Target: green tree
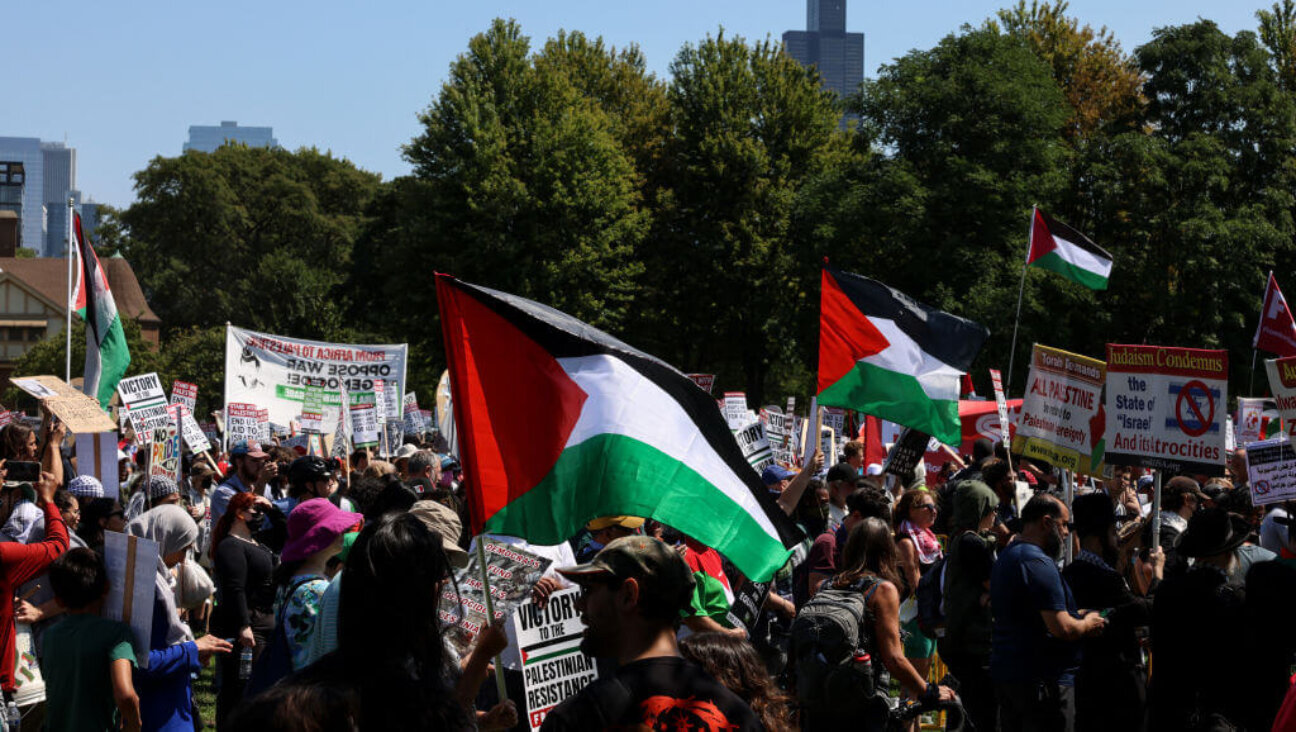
258	237
1278	33
49	357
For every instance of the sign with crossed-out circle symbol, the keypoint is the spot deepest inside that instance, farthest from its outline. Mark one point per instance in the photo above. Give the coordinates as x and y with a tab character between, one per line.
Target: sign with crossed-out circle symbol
1188	409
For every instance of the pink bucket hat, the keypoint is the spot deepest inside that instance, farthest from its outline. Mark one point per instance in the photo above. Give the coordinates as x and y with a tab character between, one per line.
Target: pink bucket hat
314	525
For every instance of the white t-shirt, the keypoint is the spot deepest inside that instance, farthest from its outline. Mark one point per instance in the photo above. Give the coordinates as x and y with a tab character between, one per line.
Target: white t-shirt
560	555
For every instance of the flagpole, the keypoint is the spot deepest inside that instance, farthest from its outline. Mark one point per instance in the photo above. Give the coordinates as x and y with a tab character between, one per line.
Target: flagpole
67	375
1251	387
1021	290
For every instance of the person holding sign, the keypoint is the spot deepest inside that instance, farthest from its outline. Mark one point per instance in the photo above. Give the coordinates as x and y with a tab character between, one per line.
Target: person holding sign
22	562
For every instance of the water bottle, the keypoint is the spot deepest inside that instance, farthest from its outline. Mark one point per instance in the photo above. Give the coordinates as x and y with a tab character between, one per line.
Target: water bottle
13	717
245	663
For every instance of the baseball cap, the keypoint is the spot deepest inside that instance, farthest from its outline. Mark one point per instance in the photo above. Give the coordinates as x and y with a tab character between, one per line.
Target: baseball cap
841	471
443	520
660	570
776	474
251	449
625	522
873	469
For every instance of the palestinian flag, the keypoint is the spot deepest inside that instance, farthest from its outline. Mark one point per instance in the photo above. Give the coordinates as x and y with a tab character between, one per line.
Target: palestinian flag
107	356
885	354
560	423
1060	248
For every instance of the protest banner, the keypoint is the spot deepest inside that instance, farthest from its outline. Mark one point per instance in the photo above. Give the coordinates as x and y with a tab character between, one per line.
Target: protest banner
274	371
512	571
704	381
1060	416
735	409
132	570
553	667
182	392
364	419
164	450
1271	471
97	456
241	424
755	446
905	454
147	404
80	413
1165	408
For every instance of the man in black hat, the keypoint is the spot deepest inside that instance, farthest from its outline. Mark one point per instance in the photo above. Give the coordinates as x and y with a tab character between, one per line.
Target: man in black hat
1181	498
632	594
1198	623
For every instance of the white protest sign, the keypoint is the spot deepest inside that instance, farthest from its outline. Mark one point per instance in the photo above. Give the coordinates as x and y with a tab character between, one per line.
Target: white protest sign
147	403
364	419
274	371
193	435
513	572
835	417
312	414
755	446
164	456
1271	471
1059	415
182	392
241	424
1001	404
132	568
1165	408
97	456
413	418
735	409
553	667
1250	413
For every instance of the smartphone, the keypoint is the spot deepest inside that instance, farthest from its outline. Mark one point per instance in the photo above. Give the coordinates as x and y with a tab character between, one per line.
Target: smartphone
19	471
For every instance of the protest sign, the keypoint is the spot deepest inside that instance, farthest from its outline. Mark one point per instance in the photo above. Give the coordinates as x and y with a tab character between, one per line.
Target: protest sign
312	414
164	455
413	417
1001	406
1060	416
29	685
80	413
1271	471
182	392
704	381
747	603
905	454
241	424
755	446
553	667
147	404
364	419
1250	412
512	572
776	429
193	435
835	417
132	570
97	456
735	409
1165	408
274	371
1282	382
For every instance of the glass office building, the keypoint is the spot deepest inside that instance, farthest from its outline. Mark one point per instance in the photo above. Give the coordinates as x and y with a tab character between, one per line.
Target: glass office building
825	44
206	138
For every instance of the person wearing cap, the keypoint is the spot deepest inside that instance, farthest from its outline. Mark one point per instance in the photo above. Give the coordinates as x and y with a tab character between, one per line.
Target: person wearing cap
632	594
603	530
1197	621
401	460
252	471
315	533
1180	499
841	483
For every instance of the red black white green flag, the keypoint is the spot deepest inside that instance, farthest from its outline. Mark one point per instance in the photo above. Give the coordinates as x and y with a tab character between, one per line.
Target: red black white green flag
1060	248
560	423
107	356
883	353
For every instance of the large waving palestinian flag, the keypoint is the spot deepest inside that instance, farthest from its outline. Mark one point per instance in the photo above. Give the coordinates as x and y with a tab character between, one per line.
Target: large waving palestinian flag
888	355
560	423
1060	248
107	356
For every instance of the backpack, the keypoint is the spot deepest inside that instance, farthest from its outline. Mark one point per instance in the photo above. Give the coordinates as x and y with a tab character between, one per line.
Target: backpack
832	648
275	661
931	600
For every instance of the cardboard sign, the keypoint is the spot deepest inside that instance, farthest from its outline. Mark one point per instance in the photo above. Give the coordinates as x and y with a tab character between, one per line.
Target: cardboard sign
132	568
1271	471
182	392
512	572
241	424
364	419
147	405
1165	408
704	381
755	446
79	412
97	456
553	667
905	454
1061	418
274	371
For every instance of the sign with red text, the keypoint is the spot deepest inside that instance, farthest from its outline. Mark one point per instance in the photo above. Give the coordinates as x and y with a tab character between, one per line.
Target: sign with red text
1062	418
1282	382
1166	408
553	667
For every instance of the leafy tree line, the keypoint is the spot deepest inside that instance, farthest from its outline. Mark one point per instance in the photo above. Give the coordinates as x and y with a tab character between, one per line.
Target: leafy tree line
690	215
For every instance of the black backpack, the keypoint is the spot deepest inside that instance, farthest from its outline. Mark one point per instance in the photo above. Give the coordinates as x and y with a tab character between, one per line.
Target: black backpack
832	649
931	600
275	661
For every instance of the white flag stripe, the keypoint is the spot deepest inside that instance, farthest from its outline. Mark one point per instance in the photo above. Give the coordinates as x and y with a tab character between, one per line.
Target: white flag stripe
1082	258
938	379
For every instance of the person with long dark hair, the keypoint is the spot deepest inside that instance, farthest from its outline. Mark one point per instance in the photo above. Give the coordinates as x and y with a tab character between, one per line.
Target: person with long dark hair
97	516
735	664
245	592
393	579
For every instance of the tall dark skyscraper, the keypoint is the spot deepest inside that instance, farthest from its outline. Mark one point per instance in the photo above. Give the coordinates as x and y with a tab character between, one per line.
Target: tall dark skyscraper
826	44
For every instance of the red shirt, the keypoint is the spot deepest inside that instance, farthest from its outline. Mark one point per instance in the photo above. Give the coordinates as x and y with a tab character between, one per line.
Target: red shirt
707	560
18	564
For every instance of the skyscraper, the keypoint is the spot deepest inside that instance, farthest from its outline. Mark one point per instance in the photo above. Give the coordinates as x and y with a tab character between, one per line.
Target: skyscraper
49	173
206	138
825	44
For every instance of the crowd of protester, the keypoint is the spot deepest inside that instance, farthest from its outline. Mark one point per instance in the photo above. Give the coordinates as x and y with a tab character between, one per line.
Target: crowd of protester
997	600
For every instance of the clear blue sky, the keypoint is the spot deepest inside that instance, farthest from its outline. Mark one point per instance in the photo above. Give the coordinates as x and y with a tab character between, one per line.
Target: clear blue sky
122	82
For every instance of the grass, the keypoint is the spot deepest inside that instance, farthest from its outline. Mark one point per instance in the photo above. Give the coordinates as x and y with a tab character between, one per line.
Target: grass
205	695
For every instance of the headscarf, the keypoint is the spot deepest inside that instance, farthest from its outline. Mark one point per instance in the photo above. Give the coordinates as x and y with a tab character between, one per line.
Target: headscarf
173	529
973	499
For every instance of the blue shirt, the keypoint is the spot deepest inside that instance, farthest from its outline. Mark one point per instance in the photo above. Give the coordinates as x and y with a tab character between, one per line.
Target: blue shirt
1025	582
220	497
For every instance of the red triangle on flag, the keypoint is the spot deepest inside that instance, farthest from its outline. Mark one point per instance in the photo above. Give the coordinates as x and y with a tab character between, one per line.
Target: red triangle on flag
1041	239
845	334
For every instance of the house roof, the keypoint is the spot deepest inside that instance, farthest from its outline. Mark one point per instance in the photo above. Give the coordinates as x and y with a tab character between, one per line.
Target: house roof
48	277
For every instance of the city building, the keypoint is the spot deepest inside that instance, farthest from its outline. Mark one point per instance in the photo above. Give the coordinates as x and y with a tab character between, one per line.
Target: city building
206	138
826	45
48	179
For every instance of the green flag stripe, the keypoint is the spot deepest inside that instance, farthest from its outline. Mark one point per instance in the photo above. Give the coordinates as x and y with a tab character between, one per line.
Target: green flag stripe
1055	263
610	474
896	397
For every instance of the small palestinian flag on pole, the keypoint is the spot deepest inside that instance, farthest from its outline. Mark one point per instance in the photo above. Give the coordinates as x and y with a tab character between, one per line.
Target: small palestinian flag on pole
1060	248
560	423
107	356
888	355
